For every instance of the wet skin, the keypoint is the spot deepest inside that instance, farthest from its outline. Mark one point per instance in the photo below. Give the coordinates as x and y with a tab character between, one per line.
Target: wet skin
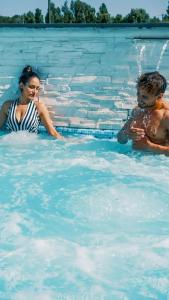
149	124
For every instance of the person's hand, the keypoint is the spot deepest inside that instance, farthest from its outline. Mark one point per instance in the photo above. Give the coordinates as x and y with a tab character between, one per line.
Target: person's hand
142	144
60	137
136	134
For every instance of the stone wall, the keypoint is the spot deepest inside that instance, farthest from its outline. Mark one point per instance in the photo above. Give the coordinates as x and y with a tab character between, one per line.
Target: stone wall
88	74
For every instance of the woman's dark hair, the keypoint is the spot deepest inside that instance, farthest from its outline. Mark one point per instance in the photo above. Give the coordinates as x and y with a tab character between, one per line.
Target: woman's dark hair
153	82
26	74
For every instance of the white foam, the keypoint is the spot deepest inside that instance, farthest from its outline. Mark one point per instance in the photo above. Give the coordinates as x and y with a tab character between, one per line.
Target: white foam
19	138
35	295
84	261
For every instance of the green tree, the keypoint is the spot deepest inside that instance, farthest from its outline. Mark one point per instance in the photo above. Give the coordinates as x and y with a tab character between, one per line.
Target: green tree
72	7
165	18
103	15
29	17
118	19
79	12
167	10
38	16
67	13
17	19
55	14
82	12
90	13
138	15
155	20
4	19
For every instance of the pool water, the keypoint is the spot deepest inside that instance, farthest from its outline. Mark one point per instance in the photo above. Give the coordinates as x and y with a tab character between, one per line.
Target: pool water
82	219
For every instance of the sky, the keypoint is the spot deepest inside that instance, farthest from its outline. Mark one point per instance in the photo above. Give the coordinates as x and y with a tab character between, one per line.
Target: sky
123	7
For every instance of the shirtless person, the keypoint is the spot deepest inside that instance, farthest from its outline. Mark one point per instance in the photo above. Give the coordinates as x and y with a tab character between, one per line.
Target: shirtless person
148	127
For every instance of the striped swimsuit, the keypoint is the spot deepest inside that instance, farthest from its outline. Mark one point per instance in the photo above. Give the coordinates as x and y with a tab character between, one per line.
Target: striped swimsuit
30	121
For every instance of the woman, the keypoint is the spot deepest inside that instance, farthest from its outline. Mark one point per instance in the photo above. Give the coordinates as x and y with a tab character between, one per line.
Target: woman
26	112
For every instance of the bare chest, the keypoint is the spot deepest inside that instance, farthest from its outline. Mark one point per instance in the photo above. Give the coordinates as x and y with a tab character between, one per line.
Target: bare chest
153	124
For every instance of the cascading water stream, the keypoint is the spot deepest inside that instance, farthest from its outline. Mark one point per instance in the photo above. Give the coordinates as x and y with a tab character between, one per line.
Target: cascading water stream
140	56
164	47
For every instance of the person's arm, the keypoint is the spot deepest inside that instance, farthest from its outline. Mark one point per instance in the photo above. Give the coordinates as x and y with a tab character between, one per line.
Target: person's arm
146	145
3	112
128	131
123	134
46	121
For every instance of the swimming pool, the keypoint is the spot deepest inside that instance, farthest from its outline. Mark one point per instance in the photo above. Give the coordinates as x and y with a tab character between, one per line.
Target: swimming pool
83	219
88	74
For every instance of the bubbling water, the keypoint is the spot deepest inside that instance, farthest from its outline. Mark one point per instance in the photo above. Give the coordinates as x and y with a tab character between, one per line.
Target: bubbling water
82	219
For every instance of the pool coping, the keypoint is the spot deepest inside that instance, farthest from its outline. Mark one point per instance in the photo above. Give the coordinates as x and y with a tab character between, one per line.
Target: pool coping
85	25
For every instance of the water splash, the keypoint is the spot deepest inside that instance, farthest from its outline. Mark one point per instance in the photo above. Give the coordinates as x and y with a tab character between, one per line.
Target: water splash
140	56
164	47
79	222
19	138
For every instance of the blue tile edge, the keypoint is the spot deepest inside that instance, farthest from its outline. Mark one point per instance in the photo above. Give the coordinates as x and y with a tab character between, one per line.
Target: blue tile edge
98	133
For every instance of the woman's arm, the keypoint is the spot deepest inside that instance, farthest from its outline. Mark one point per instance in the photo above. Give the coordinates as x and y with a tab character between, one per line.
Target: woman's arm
3	112
46	120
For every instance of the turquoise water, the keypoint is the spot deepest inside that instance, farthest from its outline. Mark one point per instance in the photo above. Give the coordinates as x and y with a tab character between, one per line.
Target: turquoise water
88	74
84	219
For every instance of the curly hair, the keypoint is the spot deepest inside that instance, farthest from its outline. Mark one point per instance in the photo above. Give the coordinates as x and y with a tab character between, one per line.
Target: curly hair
153	82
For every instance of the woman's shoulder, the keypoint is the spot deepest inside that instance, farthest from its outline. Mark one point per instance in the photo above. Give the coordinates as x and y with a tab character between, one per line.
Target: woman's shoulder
7	104
40	105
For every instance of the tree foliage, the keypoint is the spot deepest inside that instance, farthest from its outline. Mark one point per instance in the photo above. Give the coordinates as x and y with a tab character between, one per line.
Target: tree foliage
154	20
55	14
68	16
137	15
118	19
4	19
77	11
38	16
103	15
29	17
82	12
17	19
165	17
